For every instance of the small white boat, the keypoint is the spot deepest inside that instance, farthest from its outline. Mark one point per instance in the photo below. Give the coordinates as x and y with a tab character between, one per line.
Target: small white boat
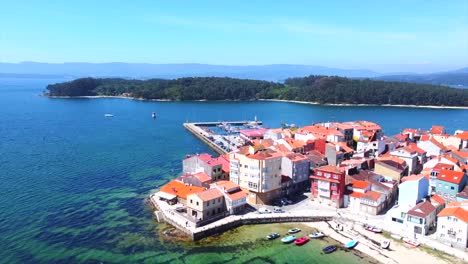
351	244
385	244
373	229
397	237
153	115
294	230
108	115
412	243
317	235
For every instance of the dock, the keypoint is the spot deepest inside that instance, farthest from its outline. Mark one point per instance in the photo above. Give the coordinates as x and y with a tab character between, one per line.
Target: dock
167	213
225	144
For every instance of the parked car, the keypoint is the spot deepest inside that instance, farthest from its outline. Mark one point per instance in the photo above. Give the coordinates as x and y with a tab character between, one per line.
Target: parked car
278	210
264	210
286	201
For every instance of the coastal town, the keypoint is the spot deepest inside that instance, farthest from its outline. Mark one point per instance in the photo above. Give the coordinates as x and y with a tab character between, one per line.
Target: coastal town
350	175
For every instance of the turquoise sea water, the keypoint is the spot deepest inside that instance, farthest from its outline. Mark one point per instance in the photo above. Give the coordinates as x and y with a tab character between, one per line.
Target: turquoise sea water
72	183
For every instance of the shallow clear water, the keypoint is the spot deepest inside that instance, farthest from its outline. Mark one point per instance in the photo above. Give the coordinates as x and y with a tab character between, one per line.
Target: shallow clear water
72	183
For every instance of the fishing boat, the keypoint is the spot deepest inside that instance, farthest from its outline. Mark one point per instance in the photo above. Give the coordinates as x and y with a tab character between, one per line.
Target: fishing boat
153	115
301	241
288	239
108	115
273	236
385	244
411	242
373	229
329	249
294	230
351	244
317	235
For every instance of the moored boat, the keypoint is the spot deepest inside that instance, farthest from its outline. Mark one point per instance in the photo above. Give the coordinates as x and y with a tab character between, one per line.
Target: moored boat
411	242
351	244
273	236
373	229
153	115
288	239
108	115
385	244
294	230
301	241
317	235
329	249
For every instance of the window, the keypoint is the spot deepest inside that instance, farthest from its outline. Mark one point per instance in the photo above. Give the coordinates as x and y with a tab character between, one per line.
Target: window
334	185
219	200
208	203
328	175
214	211
458	239
191	201
335	193
452	188
449	218
319	173
219	210
197	203
455	220
335	176
245	166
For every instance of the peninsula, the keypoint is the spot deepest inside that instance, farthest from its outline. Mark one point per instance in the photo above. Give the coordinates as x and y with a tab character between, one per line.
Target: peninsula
317	89
349	180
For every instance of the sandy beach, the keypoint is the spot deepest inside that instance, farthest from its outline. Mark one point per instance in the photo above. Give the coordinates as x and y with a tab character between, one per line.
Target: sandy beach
398	253
385	105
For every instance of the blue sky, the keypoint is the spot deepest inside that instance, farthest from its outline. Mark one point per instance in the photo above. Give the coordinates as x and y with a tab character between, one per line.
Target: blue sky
385	36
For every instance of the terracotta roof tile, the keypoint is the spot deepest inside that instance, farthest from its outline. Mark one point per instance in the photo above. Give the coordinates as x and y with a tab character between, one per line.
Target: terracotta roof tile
451	176
330	168
439	199
360	184
202	177
463	135
371	195
356	194
208	195
180	189
422	209
457	212
437	130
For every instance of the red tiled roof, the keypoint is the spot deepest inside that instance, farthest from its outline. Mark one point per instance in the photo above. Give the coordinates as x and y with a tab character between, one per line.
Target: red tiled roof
437	130
265	154
237	195
443	166
360	184
463	135
330	168
422	209
180	189
356	194
371	195
451	176
224	161
415	147
439	199
457	212
202	177
461	154
254	132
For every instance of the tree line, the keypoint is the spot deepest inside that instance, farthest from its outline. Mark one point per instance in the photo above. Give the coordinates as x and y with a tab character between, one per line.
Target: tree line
322	89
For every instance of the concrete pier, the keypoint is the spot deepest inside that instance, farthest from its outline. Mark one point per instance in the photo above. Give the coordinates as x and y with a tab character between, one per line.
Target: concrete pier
210	138
184	224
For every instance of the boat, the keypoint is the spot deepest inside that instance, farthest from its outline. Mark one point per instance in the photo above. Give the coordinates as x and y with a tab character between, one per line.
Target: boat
294	230
273	236
153	115
329	249
373	229
351	244
108	115
317	235
397	237
385	244
411	242
288	239
301	241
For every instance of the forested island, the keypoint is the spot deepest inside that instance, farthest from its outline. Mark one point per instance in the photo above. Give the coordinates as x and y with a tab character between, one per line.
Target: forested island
320	89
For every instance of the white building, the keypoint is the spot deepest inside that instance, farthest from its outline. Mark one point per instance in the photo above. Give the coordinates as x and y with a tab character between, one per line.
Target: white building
420	219
452	224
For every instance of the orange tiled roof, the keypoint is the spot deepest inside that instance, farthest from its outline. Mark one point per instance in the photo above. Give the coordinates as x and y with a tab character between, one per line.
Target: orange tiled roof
371	195
457	212
237	195
356	194
451	176
439	199
227	185
360	184
415	147
462	154
437	130
463	135
180	189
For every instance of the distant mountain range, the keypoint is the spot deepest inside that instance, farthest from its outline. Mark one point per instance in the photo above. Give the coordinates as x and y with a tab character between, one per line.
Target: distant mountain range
457	79
274	72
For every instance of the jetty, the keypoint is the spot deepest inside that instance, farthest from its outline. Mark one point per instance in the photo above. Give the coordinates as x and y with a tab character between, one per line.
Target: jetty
222	144
166	213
